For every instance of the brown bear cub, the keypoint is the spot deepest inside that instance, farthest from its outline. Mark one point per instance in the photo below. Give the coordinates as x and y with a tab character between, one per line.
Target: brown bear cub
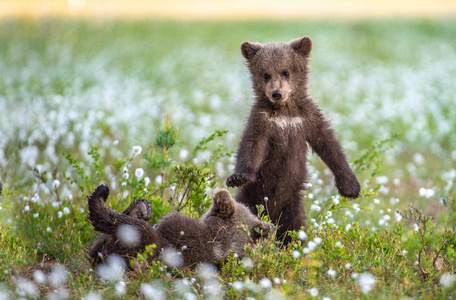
225	228
284	120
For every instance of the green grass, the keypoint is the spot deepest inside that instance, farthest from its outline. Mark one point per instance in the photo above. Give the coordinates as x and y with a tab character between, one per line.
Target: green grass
94	89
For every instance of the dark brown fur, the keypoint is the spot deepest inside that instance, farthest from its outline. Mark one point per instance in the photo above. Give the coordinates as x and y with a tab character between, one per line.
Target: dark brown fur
272	153
225	228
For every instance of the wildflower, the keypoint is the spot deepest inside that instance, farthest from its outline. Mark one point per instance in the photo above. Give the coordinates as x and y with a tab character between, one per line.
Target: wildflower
296	254
398	217
39	277
315	207
302	235
338	244
58	276
115	142
266	199
382	180
66	210
183	154
159	179
348	266
151	292
128	235
126	176
313	292
48	229
329	214
366	281
139	173
416	263
26	208
56	183
416	227
311	245
59	214
318	240
36	215
447	280
348	227
266	283
277	280
376	201
238	286
146	181
137	150
172	258
404	252
332	273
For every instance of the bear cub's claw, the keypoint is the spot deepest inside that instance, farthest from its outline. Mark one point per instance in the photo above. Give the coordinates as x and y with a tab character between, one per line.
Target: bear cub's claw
238	180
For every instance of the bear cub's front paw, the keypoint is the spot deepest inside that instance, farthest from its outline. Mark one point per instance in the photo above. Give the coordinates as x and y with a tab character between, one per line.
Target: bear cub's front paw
349	187
238	180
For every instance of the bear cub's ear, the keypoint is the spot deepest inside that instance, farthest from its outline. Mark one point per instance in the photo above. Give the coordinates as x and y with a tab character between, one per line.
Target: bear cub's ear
250	49
302	45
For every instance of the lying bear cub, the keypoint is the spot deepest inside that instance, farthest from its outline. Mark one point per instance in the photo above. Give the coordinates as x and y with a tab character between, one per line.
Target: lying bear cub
225	228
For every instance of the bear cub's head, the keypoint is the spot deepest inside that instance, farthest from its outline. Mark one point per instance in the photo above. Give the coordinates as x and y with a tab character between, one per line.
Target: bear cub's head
278	70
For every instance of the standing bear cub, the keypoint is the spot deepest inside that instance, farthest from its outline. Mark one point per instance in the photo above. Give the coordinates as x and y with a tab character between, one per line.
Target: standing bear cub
284	120
225	228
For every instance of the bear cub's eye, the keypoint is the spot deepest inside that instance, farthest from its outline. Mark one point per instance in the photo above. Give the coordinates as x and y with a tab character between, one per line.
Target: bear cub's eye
286	74
266	76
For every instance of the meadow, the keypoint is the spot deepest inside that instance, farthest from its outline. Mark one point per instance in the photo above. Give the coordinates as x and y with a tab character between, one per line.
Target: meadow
78	96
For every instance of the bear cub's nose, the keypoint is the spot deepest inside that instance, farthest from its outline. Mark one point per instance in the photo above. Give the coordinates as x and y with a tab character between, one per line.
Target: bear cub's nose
277	95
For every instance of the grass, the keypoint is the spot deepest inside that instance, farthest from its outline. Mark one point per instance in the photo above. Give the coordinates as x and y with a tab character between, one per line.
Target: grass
95	89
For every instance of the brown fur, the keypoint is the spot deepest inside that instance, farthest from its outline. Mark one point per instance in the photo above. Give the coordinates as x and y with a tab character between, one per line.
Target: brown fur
225	228
272	153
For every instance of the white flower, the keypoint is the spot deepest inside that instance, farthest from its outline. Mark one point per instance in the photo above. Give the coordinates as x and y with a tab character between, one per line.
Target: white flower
348	227
159	179
146	181
416	263
311	245
329	214
318	240
302	235
183	154
404	252
348	266
366	281
56	183
266	283
36	215
26	208
398	217
447	280
137	150
296	254
59	214
126	176
338	244
416	227
49	229
313	292
315	207
376	201
66	210
238	286
277	280
382	180
332	273
139	172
